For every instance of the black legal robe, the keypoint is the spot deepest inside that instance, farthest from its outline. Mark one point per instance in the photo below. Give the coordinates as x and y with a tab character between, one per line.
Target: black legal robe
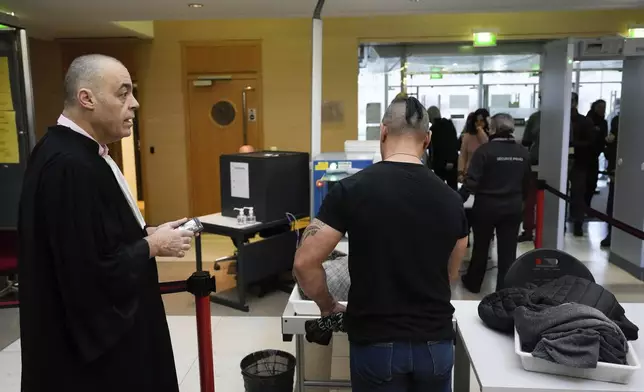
91	314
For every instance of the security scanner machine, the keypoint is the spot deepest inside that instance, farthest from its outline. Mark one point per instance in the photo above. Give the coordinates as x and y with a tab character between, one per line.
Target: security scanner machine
331	167
556	78
17	138
268	183
262	195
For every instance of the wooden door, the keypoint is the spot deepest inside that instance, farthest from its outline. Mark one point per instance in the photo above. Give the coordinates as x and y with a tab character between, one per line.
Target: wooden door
115	150
216	126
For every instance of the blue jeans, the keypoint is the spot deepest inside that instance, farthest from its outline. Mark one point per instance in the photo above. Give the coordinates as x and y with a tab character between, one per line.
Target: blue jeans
402	367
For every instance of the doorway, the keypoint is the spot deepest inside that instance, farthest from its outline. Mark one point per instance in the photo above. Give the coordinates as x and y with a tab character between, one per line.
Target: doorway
136	135
219	123
129	159
457	79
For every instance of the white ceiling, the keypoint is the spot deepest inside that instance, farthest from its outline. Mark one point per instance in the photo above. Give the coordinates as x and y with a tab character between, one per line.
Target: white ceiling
77	18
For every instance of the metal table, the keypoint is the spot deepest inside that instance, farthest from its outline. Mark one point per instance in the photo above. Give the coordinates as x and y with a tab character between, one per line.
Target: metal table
497	368
293	326
257	260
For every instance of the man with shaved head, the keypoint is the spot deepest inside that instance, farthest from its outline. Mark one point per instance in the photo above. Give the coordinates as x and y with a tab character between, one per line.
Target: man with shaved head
91	315
408	235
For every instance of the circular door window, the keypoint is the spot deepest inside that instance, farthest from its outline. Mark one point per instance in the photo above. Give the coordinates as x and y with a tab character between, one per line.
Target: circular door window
223	113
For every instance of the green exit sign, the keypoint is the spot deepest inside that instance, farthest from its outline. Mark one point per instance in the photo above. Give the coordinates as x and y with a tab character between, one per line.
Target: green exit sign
484	39
436	73
636	32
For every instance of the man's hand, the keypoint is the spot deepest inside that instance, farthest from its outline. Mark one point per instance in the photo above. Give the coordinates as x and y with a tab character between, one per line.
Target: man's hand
173	225
169	242
336	308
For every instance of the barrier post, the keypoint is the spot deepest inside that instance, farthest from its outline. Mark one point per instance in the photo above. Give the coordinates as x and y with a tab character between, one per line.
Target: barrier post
538	235
201	284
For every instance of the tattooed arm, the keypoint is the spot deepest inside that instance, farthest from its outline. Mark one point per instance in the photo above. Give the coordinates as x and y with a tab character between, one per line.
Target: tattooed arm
318	241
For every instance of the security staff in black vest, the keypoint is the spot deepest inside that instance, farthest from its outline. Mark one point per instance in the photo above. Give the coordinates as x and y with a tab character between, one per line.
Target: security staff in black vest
499	177
582	139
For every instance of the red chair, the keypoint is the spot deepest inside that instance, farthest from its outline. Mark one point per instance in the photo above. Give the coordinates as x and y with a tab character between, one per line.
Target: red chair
9	262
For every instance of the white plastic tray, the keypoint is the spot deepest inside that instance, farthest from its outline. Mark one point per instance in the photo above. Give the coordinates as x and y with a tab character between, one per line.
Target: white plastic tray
608	372
303	307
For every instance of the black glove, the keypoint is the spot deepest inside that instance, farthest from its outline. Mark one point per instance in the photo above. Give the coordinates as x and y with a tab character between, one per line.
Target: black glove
321	330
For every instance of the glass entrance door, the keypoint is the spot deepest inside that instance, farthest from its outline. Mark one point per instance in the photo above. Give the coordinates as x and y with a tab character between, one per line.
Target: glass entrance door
455	102
518	100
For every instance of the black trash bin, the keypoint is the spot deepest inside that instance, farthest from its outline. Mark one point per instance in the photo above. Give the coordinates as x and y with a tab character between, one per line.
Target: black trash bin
268	371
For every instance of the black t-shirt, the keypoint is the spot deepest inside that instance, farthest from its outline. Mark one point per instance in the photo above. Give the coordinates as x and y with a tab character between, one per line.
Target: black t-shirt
403	223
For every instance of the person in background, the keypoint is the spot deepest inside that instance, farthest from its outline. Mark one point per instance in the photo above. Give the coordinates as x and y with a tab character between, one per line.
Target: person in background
91	313
582	133
468	120
246	149
499	176
611	157
443	147
399	315
530	140
476	134
597	115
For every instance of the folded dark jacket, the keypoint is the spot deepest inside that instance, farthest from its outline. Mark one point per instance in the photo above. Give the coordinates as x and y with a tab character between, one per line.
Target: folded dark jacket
321	330
572	335
578	290
497	309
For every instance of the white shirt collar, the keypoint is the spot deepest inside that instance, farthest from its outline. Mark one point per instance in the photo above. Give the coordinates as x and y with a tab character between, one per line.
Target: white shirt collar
64	121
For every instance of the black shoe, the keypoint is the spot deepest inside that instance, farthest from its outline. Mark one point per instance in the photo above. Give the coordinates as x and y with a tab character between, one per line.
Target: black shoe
525	237
606	242
578	230
468	286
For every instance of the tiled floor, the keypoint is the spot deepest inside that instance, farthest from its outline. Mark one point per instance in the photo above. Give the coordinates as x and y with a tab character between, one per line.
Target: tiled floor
235	334
229	349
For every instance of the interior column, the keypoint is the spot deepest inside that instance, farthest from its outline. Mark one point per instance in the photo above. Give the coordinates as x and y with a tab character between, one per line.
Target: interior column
627	252
556	82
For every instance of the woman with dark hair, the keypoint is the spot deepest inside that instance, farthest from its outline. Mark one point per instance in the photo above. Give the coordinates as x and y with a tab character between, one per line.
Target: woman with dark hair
481	120
476	133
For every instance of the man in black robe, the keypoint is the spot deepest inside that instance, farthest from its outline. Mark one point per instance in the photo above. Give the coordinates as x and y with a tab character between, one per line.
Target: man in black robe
91	314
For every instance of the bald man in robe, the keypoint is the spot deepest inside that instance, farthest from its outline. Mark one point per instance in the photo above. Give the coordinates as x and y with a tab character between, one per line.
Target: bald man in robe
91	314
246	149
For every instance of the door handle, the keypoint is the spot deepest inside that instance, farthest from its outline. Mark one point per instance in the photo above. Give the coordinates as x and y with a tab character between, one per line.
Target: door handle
245	112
